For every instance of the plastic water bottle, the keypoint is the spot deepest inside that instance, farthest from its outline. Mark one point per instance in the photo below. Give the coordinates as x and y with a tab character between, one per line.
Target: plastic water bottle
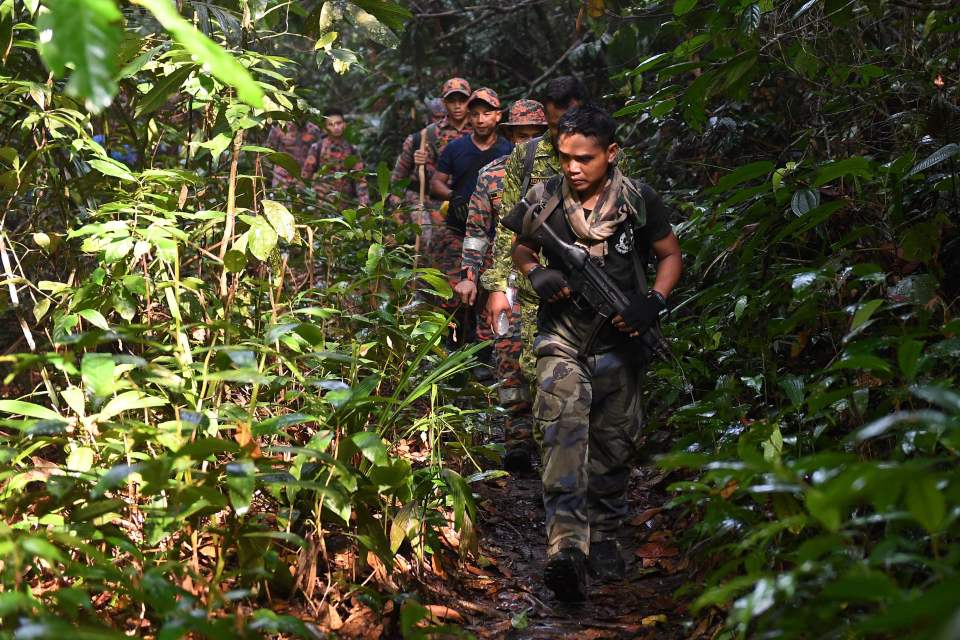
503	320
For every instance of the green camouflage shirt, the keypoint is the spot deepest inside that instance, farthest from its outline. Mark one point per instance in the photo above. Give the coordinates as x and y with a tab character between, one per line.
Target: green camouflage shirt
545	166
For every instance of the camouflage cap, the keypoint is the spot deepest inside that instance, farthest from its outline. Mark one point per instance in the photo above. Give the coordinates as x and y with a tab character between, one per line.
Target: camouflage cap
455	85
526	112
486	94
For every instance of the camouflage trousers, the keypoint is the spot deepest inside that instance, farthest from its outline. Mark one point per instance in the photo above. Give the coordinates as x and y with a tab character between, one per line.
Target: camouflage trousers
445	250
588	418
513	392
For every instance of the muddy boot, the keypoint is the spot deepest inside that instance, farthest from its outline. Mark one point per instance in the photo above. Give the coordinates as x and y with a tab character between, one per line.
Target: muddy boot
566	575
606	561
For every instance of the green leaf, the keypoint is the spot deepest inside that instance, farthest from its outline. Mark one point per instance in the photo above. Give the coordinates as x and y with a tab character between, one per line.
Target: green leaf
286	161
925	502
223	66
683	7
84	35
80	459
95	318
235	261
98	373
29	410
856	166
371	446
863	314
651	62
280	218
943	153
374	254
908	357
241	481
113	168
127	401
389	13
804	200
163	89
262	238
744	174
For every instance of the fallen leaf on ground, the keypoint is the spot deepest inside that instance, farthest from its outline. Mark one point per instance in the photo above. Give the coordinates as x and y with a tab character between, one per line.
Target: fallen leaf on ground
656	550
650	621
641	518
443	612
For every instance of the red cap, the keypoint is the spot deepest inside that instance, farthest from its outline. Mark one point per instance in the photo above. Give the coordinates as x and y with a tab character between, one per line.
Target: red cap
455	85
486	94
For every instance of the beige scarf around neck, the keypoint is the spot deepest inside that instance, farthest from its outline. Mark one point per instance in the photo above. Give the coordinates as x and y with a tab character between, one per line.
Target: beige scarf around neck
607	215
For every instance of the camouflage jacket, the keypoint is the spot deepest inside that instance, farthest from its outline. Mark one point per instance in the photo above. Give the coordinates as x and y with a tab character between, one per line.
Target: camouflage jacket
333	154
545	166
293	140
483	214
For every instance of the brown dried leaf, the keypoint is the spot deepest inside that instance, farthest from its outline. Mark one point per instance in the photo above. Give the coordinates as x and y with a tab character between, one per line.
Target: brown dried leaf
443	612
642	518
656	550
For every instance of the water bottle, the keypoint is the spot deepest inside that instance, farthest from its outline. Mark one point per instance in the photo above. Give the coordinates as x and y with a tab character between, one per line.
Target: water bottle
503	320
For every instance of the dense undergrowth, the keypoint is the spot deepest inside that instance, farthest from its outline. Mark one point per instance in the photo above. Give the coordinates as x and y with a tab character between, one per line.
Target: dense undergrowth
209	386
817	422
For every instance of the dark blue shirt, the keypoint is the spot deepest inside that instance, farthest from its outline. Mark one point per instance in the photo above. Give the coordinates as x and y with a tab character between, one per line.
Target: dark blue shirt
462	160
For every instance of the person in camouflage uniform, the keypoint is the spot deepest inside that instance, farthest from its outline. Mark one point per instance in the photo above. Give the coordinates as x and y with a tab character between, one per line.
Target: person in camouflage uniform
404	167
526	121
332	153
589	367
295	140
560	95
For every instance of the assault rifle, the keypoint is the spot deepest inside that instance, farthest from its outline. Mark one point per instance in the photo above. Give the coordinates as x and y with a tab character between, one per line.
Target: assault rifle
594	286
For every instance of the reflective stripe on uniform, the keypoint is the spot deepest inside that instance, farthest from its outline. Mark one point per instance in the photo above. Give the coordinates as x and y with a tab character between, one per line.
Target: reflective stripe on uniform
476	244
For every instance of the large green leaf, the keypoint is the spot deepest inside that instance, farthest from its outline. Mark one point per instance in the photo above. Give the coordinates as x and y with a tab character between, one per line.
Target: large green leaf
389	13
84	35
221	64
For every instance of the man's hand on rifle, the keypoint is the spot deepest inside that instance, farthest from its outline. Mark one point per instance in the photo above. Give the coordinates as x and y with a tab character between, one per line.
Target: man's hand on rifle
640	315
467	291
550	284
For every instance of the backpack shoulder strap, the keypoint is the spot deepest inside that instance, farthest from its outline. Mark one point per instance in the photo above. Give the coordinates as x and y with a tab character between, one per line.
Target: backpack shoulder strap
548	201
528	161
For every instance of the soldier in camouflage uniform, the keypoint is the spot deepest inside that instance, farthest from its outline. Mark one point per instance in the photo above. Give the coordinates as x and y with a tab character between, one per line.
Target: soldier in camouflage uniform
589	367
526	121
560	95
405	168
293	139
331	155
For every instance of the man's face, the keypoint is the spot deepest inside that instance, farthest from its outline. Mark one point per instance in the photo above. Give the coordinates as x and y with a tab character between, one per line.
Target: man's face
456	106
519	135
554	113
584	161
483	118
335	126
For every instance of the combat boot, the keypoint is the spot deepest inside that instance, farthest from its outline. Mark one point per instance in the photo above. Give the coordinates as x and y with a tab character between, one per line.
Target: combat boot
606	560
517	459
566	575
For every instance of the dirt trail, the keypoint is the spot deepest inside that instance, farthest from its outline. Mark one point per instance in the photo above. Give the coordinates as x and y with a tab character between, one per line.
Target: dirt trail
507	598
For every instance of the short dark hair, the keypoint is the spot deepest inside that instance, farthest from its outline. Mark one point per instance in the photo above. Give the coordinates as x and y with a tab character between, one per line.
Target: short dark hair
589	120
334	111
560	92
